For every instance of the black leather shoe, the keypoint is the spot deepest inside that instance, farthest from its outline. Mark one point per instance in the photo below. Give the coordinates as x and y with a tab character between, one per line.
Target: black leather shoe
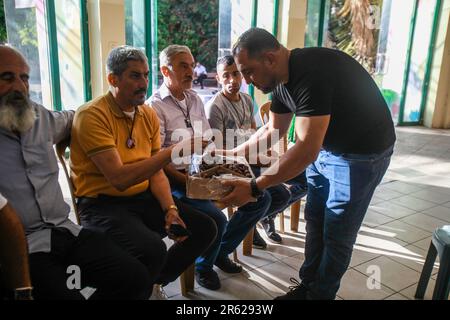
269	227
296	292
258	241
208	279
228	266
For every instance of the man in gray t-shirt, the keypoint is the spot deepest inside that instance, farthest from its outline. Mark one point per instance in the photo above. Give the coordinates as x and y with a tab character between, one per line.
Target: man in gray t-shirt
231	112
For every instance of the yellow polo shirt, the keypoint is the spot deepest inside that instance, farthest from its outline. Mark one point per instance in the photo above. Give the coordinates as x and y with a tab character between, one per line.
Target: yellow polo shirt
100	125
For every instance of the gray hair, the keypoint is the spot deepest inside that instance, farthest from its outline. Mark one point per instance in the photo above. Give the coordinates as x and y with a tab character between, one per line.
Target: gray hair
166	56
118	58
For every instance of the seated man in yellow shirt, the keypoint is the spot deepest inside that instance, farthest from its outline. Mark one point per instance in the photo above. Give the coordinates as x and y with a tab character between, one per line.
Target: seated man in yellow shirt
117	172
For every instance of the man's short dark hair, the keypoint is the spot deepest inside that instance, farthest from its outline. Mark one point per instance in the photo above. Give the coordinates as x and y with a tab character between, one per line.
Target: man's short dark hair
226	61
256	41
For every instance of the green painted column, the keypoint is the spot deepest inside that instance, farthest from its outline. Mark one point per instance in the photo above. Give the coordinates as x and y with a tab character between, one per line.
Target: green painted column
53	54
85	49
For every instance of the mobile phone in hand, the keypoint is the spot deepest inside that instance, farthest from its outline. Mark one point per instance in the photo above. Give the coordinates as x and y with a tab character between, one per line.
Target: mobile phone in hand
178	230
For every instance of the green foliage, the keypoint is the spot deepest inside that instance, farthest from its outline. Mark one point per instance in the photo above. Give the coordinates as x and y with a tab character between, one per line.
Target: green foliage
2	22
192	23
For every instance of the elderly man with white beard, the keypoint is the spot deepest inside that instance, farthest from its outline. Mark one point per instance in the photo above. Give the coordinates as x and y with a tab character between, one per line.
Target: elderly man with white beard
65	260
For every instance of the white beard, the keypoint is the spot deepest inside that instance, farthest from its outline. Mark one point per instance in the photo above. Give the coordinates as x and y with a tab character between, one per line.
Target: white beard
16	118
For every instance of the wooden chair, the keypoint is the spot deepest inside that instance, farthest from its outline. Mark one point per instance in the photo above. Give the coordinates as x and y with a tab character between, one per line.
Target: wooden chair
186	278
281	148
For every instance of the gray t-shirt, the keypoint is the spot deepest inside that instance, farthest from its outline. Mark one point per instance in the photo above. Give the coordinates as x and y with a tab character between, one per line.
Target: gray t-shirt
224	114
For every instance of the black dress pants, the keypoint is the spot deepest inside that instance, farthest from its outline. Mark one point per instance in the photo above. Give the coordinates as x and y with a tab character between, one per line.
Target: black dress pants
97	262
137	224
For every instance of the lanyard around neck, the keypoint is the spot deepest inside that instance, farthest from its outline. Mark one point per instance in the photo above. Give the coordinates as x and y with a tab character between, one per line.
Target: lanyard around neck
187	114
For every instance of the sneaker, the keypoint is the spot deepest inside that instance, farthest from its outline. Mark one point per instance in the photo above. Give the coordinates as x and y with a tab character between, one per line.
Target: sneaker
158	293
208	279
269	227
228	266
296	292
258	241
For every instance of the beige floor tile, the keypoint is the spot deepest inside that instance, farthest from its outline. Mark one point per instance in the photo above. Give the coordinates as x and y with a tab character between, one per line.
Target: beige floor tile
424	222
294	262
361	256
396	296
413	203
423	244
393	210
379	242
447	205
411	291
404	231
234	288
403	187
376	200
354	287
439	212
374	219
293	244
258	259
431	195
387	194
389	272
274	278
414	259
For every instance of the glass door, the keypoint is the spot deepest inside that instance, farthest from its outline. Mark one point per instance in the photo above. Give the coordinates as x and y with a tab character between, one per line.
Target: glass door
418	69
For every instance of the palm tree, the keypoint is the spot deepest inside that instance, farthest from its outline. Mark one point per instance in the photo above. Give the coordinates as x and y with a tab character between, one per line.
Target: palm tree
351	30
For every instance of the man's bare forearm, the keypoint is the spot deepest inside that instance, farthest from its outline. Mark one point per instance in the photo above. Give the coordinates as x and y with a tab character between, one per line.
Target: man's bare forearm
131	174
160	188
174	174
13	250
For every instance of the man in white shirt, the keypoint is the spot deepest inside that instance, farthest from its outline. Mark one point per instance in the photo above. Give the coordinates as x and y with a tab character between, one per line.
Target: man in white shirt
200	74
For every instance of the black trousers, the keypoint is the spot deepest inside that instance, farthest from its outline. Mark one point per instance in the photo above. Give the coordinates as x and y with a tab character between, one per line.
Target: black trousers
102	265
200	79
137	224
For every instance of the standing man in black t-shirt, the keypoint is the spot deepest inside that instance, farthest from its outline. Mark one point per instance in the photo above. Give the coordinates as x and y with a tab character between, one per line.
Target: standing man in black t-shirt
345	139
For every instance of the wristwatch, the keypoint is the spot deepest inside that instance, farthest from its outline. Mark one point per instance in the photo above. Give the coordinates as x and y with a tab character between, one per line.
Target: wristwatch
23	293
172	207
256	193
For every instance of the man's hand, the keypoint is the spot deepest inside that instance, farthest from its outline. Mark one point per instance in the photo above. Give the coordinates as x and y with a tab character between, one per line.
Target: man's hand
241	194
171	218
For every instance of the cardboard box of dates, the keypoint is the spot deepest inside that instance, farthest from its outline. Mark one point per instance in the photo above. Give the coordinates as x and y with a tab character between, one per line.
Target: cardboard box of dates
206	174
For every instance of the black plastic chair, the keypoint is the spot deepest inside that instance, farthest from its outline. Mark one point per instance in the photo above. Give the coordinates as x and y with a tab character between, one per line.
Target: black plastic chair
440	245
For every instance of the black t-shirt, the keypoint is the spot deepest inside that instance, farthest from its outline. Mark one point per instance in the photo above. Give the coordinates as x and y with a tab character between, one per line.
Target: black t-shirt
329	82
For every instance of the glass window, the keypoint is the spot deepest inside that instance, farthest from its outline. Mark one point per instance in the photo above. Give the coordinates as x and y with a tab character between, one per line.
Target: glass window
392	51
70	53
419	59
135	23
264	15
312	23
26	29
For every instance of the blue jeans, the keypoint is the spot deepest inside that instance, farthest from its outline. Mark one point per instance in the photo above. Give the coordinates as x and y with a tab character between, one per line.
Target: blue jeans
280	196
340	188
229	233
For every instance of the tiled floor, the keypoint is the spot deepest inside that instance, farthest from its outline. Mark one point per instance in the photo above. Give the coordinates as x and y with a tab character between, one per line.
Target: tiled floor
413	199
